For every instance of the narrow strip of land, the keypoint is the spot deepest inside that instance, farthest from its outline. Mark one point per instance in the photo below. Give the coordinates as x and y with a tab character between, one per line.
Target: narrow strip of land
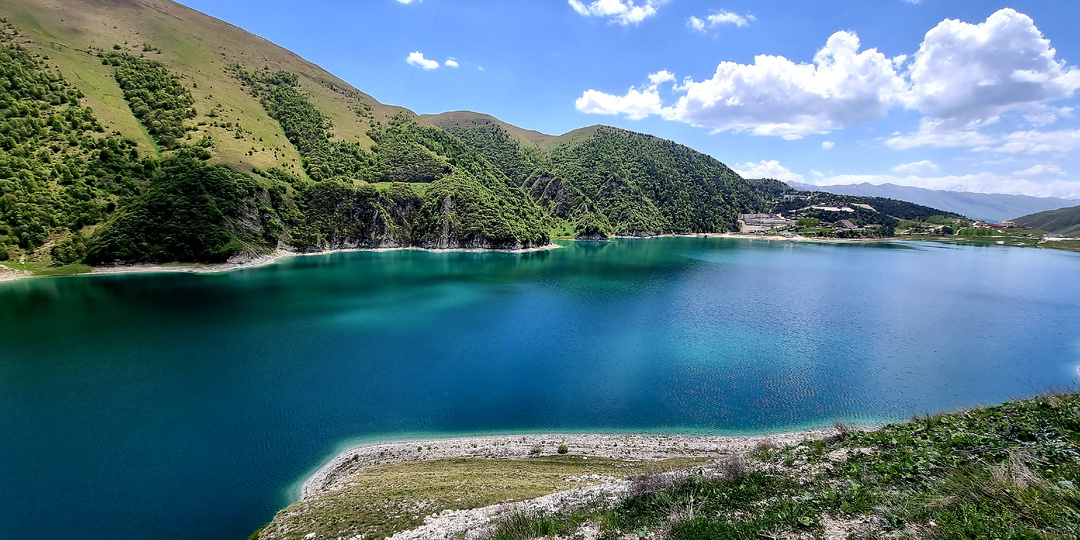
609	446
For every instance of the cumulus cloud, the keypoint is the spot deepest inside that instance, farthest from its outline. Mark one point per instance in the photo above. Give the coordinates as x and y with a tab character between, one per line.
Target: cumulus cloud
635	104
409	1
962	79
767	169
975	72
918	167
719	18
827	145
775	96
451	62
416	58
983	182
624	12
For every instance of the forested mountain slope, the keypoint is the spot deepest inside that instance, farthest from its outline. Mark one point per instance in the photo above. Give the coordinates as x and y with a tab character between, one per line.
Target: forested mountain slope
602	180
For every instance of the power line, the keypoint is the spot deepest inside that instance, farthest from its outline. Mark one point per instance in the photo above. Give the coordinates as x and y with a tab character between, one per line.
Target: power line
412	76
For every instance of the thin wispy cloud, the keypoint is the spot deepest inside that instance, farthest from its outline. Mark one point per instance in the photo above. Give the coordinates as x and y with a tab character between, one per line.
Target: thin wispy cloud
720	18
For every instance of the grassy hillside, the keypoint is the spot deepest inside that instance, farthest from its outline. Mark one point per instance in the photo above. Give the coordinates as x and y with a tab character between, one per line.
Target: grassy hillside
124	87
1064	221
199	49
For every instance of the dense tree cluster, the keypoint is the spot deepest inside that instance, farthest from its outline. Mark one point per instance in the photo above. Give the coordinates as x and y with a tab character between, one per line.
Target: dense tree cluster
156	96
305	127
58	173
189	213
515	160
467	201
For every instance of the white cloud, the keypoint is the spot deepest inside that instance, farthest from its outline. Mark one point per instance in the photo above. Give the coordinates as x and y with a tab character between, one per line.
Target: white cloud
918	167
409	1
636	104
941	134
827	145
767	169
1041	170
975	72
719	18
963	79
624	12
775	96
661	77
1039	142
416	58
983	182
451	62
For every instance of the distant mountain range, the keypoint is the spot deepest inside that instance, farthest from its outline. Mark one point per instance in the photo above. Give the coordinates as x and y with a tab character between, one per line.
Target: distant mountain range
985	206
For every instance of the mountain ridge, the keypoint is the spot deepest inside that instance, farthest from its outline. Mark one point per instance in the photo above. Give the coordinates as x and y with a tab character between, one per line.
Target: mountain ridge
1064	221
994	207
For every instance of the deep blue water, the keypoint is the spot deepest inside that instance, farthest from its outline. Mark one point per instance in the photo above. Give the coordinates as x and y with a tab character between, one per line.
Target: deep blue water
187	406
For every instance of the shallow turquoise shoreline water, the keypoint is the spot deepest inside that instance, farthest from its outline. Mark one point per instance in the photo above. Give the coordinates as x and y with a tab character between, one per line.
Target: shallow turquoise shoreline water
183	406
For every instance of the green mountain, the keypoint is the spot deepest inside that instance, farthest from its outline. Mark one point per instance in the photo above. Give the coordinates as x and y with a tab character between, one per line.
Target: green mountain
144	131
601	180
1065	221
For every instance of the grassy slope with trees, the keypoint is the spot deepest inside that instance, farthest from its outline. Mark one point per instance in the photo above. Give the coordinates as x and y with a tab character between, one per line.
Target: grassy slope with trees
129	90
604	181
1064	221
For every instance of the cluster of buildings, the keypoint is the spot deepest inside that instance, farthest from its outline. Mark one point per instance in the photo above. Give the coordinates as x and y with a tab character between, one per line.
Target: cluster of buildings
988	225
761	222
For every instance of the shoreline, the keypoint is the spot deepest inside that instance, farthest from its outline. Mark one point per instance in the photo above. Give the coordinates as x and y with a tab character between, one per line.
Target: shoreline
627	447
10	274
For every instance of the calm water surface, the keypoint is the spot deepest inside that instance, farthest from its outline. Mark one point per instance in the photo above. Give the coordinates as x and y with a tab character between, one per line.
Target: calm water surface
189	406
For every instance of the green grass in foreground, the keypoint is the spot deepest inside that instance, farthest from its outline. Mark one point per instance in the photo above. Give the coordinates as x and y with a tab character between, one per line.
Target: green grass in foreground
1006	472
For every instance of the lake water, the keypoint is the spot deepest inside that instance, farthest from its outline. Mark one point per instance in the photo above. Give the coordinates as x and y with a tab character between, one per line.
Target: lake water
189	406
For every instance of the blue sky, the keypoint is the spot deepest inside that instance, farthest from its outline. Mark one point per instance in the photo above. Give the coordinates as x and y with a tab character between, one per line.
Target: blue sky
965	95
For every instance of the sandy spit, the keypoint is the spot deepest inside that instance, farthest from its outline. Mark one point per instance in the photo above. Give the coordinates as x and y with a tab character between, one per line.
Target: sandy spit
613	446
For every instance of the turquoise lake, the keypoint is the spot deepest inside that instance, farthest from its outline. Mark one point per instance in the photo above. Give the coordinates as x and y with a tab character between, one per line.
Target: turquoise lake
190	406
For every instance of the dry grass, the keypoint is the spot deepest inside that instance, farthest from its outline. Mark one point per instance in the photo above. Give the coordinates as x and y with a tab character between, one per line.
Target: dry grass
381	500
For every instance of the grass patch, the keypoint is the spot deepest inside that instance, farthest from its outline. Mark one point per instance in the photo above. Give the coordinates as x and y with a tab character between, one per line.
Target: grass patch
1007	472
385	499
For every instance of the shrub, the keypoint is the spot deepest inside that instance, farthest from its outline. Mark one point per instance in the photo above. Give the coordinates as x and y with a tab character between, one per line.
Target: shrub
734	467
563	449
536	450
654	480
4	253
